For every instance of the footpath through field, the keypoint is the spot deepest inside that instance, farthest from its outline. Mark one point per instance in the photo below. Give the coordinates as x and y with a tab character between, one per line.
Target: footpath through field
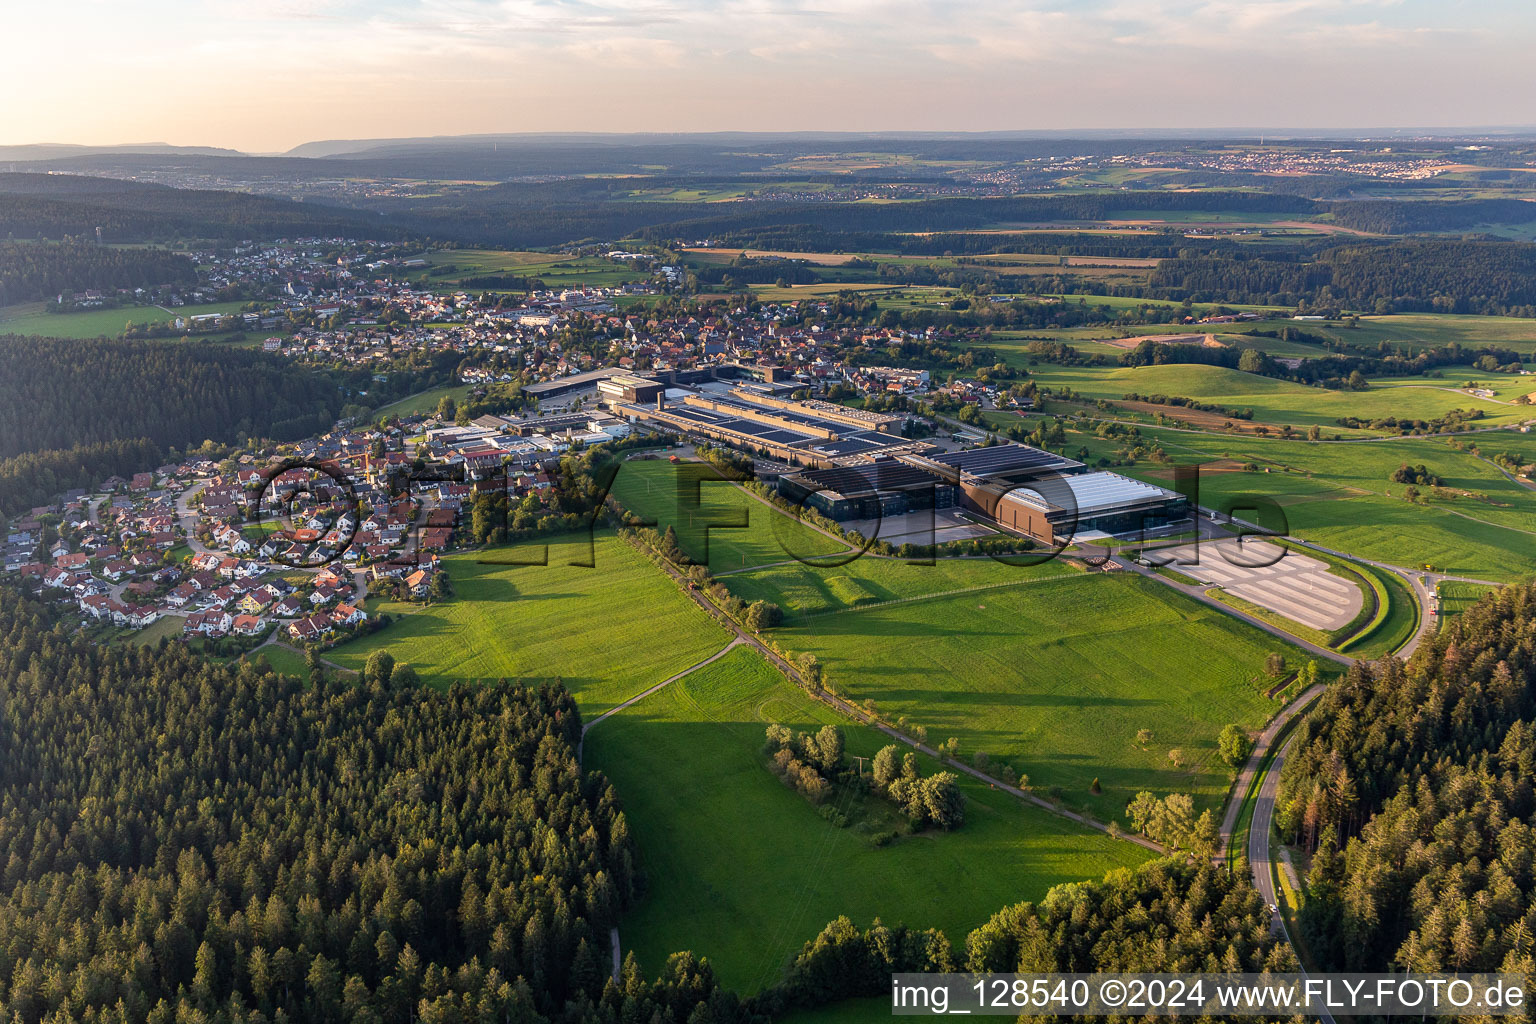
864	718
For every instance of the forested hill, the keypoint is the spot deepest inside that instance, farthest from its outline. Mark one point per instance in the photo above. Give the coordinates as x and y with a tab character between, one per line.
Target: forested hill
1425	774
58	393
192	841
59	205
75	412
40	270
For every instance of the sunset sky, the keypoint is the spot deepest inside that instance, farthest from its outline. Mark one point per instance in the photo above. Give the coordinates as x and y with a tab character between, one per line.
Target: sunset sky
265	75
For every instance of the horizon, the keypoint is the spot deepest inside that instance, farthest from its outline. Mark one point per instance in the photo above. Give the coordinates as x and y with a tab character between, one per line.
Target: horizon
269	78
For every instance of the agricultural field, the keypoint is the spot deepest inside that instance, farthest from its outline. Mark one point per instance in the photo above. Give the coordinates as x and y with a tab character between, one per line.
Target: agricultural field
1279	402
1055	677
31	318
728	530
770	871
448	268
1478	523
607	632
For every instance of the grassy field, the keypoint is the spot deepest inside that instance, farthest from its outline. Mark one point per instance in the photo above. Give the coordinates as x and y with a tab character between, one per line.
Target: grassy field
729	529
30	318
769	872
423	403
809	591
1281	402
164	626
607	632
1477	524
283	659
1456	598
1055	678
556	270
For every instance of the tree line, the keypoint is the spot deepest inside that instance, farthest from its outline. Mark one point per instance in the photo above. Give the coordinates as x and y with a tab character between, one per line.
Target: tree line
42	270
77	399
184	837
1412	784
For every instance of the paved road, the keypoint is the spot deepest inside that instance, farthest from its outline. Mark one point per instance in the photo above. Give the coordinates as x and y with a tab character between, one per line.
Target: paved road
1259	853
1258	834
1256	759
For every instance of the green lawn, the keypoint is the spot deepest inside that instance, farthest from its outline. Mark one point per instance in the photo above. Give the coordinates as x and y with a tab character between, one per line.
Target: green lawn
743	870
607	632
1456	598
164	626
729	529
1055	678
423	403
30	318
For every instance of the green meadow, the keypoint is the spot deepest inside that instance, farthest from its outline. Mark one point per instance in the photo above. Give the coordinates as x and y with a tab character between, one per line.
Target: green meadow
448	268
1478	523
717	523
607	632
1055	677
31	318
743	870
1281	402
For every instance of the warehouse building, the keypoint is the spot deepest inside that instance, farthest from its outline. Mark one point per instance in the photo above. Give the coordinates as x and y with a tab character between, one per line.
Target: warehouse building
885	487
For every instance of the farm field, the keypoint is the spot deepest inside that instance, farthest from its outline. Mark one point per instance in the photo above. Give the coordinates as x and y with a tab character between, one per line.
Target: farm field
1478	524
771	871
728	530
30	318
606	632
556	270
1281	402
1056	678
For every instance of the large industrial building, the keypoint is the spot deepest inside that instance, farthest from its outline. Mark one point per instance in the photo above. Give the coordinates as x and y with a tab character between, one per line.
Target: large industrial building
1018	488
755	418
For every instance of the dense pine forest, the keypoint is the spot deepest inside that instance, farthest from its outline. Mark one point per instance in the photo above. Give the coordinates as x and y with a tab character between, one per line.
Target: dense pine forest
57	206
69	409
191	838
1414	786
41	270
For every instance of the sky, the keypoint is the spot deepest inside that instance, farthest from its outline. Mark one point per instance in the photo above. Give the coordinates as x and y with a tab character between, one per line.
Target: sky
266	75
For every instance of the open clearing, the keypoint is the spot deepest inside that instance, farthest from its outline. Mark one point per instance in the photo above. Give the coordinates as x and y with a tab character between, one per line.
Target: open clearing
31	318
744	871
606	632
1056	677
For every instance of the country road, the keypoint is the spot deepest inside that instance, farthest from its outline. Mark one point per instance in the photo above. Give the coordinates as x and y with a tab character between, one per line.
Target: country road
1256	759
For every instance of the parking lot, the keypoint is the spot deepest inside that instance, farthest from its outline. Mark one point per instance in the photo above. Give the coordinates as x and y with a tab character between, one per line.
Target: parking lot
1297	586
